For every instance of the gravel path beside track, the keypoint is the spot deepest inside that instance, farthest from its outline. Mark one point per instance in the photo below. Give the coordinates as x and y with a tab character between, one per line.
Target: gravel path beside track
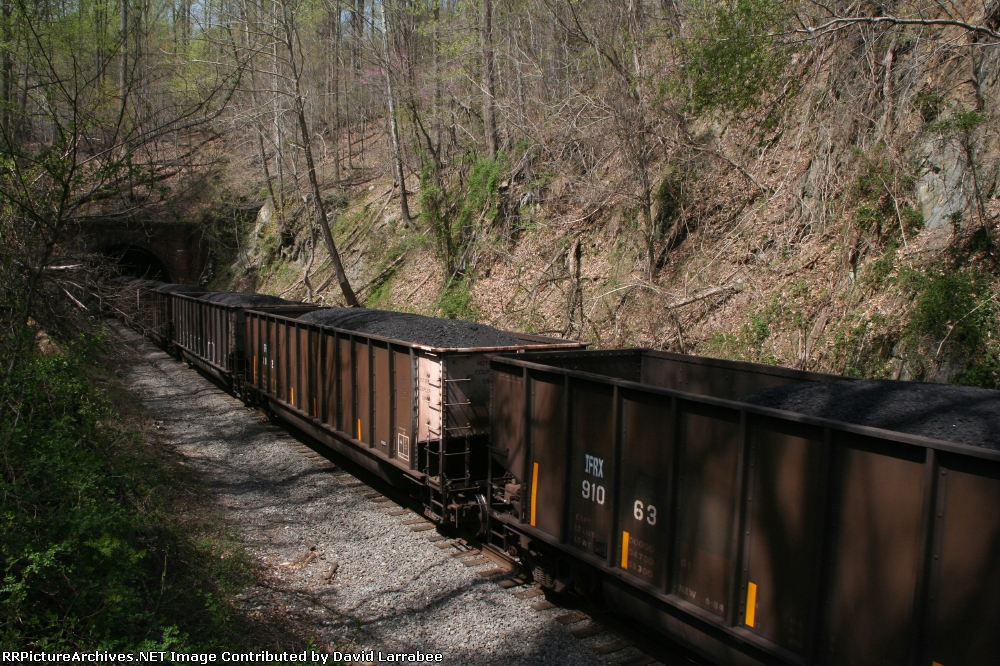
393	590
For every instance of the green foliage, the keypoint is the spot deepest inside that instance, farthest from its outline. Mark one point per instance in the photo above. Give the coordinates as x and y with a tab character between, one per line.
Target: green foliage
877	272
961	122
864	346
929	104
748	343
956	312
381	296
457	302
484	188
435	215
880	214
89	557
452	230
731	59
954	304
667	198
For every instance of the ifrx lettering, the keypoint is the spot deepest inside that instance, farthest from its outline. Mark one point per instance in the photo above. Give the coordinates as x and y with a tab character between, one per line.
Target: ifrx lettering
594	466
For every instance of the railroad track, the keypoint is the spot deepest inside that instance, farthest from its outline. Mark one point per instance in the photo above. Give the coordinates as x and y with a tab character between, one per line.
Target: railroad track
616	642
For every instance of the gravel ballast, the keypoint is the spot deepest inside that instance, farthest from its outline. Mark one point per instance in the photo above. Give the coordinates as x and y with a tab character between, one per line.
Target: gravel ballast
953	413
417	329
336	561
244	300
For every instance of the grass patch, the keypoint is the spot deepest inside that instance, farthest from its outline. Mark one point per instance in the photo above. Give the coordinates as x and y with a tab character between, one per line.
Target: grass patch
457	302
94	553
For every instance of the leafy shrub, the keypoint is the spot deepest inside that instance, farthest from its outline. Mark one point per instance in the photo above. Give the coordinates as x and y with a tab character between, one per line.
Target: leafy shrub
929	104
457	302
881	214
435	215
732	57
484	190
954	304
955	312
90	556
961	122
452	230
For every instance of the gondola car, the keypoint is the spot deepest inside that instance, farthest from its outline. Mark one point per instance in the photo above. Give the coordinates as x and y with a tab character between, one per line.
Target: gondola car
862	528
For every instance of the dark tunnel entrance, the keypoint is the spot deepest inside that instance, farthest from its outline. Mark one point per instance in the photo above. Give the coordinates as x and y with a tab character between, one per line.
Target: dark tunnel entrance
134	261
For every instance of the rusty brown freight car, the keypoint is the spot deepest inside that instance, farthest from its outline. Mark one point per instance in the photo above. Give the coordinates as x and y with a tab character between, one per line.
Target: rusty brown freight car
157	309
209	331
752	535
415	414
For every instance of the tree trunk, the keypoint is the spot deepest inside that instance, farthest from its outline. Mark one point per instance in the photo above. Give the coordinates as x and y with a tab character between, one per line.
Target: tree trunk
8	70
393	127
279	157
486	41
300	112
336	98
437	75
123	73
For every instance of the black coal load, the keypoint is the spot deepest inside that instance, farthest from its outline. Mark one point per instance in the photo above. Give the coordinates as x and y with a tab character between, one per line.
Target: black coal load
418	329
244	300
174	288
953	413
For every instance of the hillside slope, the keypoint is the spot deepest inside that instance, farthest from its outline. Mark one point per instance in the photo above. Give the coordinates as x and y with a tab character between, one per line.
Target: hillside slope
844	221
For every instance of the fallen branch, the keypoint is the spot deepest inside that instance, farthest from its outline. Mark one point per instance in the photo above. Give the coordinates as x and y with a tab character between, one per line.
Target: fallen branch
714	291
383	276
843	21
417	288
78	303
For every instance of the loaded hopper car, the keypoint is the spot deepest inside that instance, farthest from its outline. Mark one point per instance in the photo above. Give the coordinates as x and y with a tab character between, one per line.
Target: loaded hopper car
403	395
748	532
157	310
209	331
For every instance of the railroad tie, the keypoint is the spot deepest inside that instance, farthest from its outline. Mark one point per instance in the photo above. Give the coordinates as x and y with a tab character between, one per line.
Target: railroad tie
639	660
436	537
588	631
373	495
529	593
414	521
572	618
613	646
443	544
465	553
543	605
421	527
475	561
489	573
398	512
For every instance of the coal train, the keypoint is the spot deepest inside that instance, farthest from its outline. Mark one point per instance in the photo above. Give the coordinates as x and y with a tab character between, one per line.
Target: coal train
754	514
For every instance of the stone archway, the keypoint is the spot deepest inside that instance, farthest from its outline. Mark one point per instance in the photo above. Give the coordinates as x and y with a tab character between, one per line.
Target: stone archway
167	251
139	262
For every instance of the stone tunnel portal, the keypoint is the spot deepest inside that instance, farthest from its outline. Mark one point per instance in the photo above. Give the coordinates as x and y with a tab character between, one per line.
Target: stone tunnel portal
138	262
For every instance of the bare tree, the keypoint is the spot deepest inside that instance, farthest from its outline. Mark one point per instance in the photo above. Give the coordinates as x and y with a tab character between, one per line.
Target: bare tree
291	43
393	126
489	77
